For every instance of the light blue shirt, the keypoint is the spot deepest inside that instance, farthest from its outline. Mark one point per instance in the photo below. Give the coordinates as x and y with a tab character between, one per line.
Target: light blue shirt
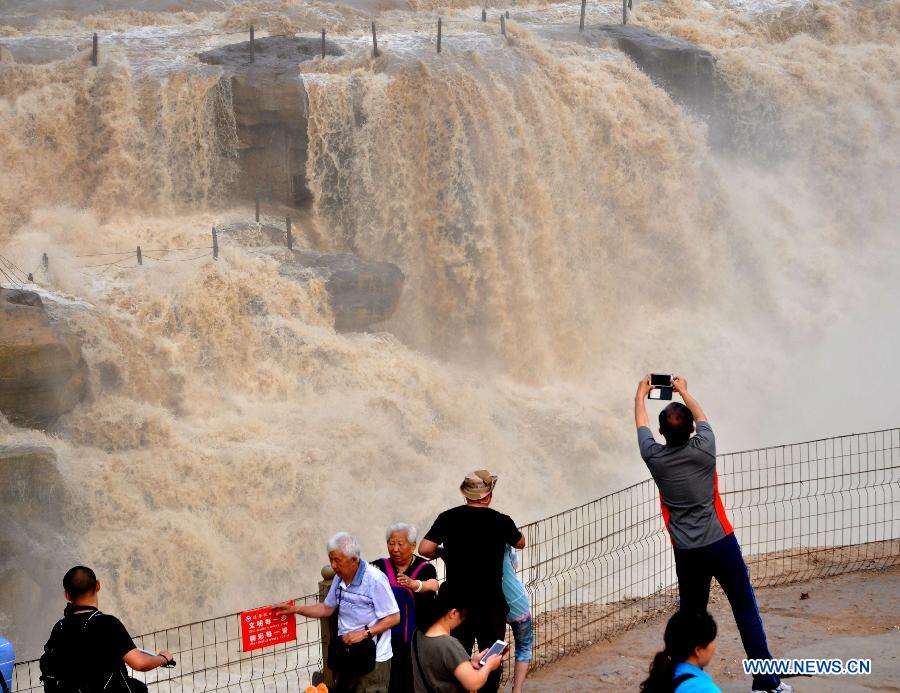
7	658
513	589
367	599
700	682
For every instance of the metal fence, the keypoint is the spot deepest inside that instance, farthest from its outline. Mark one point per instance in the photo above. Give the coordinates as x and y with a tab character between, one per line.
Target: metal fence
800	511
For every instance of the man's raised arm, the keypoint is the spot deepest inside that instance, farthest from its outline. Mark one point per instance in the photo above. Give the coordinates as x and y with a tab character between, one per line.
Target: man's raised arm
640	408
679	384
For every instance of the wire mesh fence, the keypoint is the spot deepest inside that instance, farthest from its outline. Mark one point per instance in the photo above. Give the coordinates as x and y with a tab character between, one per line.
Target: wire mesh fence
800	511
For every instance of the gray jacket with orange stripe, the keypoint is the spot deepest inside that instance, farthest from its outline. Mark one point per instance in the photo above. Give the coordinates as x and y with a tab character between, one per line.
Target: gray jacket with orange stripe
688	487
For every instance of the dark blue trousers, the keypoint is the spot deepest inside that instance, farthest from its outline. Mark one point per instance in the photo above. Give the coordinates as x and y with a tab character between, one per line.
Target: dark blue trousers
723	561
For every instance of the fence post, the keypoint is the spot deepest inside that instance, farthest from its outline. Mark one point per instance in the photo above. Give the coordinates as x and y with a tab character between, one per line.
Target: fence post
439	36
503	25
374	42
624	11
215	244
323	42
290	236
45	262
483	15
326	624
583	7
94	54
140	259
257	206
252	46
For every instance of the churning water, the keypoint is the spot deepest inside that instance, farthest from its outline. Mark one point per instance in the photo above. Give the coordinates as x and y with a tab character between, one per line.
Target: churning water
563	224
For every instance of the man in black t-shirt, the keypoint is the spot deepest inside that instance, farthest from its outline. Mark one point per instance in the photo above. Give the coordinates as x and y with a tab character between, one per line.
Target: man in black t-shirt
87	649
474	539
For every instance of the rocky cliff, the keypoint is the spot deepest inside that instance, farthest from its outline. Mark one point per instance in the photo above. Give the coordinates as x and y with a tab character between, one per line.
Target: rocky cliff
42	372
270	110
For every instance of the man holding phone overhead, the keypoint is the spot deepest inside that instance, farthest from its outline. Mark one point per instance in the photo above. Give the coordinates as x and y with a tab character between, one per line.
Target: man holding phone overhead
474	539
703	540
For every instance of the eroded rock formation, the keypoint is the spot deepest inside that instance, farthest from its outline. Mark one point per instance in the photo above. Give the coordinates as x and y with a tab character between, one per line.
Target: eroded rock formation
361	292
42	372
683	69
270	110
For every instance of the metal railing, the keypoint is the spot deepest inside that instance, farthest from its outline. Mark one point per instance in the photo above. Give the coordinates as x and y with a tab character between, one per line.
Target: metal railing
800	511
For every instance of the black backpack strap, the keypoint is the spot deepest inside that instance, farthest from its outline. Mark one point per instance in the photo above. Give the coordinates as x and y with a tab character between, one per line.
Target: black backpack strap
3	685
415	650
678	680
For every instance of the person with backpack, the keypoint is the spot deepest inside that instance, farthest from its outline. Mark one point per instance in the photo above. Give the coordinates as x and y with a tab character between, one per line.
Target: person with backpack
414	583
7	661
88	650
690	643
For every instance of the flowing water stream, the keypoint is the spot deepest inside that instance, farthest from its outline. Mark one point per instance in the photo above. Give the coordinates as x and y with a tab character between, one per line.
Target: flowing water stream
563	224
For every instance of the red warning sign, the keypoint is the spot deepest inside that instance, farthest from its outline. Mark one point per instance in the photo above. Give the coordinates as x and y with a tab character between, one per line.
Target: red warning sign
261	628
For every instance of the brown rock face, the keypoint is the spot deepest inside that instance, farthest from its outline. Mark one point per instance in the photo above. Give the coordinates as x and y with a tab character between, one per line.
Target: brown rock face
34	541
30	484
42	372
361	292
270	110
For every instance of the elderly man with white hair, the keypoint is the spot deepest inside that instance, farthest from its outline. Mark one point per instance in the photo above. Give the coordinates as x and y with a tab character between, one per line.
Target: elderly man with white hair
367	610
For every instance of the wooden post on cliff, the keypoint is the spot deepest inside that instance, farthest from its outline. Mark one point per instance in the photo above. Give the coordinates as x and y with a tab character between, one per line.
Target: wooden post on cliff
483	15
45	262
583	8
139	258
252	46
326	624
439	36
215	244
290	236
94	54
257	206
323	42
503	25
624	11
374	42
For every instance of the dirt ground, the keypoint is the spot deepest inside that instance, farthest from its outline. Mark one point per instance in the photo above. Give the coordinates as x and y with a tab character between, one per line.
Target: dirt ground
855	615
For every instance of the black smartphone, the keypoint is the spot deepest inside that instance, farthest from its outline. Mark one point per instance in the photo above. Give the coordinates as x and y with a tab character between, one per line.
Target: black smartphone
661	380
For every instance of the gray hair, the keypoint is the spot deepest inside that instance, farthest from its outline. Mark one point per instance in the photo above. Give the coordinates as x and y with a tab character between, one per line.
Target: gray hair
344	542
410	530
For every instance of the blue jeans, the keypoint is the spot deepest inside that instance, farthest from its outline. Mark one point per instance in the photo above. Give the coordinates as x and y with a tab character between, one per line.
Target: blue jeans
523	634
723	561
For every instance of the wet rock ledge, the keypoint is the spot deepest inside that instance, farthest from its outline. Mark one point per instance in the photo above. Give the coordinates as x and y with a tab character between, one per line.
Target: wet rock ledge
43	374
361	292
271	112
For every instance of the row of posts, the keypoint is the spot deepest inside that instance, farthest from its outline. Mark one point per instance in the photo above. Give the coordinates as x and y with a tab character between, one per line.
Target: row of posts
287	220
626	5
45	261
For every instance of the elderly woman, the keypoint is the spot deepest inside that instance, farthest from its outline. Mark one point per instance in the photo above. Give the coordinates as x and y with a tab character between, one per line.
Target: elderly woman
414	583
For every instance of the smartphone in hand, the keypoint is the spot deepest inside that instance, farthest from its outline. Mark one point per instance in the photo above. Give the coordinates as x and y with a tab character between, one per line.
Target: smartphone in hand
498	648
